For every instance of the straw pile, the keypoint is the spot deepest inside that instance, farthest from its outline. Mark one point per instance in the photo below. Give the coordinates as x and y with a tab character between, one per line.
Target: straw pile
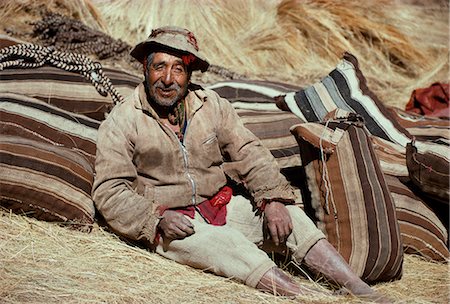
400	46
45	263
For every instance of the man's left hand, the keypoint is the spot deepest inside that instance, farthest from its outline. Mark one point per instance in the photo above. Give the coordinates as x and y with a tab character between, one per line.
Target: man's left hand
278	221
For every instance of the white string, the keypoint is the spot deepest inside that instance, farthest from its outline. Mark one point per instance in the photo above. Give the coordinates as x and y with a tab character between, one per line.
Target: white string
325	175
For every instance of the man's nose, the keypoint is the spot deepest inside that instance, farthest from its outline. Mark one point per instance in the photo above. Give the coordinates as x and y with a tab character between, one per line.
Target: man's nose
167	78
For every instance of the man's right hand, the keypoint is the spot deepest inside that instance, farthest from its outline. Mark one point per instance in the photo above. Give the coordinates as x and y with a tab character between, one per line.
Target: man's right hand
175	226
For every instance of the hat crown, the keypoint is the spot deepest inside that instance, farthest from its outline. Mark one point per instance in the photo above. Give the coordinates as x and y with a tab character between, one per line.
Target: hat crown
173	30
171	38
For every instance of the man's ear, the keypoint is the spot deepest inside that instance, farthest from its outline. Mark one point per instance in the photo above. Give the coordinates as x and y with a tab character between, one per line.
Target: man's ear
144	65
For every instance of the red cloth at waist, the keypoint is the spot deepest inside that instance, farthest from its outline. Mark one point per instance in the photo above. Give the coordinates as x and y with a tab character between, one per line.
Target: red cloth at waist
214	210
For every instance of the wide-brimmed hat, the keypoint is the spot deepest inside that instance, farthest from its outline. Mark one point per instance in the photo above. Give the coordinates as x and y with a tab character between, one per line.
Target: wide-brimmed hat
171	38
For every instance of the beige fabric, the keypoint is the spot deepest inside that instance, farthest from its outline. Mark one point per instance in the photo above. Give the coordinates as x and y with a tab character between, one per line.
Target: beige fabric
232	250
141	165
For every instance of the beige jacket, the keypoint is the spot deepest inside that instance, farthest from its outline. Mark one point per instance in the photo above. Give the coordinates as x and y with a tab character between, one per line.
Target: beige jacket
141	165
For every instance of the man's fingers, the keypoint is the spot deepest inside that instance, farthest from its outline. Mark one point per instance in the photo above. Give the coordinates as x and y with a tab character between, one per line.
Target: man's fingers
274	233
280	231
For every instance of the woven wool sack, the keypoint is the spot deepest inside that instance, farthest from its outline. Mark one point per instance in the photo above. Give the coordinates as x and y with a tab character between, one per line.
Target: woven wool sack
254	103
423	233
34	119
47	182
66	90
349	196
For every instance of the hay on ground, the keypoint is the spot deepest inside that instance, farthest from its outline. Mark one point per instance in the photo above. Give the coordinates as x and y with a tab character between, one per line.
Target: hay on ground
44	263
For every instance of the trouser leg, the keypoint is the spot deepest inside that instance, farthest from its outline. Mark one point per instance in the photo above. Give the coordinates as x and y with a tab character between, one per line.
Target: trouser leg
242	217
221	250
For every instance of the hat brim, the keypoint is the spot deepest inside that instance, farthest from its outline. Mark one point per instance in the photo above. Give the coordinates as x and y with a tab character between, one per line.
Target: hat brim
140	51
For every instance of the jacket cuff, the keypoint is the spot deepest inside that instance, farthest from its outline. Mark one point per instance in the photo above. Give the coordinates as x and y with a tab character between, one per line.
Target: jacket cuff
150	229
283	194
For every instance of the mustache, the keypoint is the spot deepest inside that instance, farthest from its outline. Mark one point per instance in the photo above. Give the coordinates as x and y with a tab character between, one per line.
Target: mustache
160	85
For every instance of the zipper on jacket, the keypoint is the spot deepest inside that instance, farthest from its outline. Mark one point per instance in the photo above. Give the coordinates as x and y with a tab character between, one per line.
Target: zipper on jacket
186	161
189	176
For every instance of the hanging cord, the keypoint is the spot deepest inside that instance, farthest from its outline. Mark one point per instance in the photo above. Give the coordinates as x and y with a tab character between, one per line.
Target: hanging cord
28	56
325	176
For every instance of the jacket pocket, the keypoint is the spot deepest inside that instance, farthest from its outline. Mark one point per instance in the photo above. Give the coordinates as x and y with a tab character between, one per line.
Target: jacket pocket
211	149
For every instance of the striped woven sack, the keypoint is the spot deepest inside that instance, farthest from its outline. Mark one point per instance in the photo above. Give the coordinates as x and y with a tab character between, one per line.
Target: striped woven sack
423	233
34	119
45	181
423	128
345	87
429	172
254	103
428	155
349	196
66	90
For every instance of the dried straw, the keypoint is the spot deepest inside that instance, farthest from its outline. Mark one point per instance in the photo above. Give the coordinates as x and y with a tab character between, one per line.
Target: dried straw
400	46
45	263
16	16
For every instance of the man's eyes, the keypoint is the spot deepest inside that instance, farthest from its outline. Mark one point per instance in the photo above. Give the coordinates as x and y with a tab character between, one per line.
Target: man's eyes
177	69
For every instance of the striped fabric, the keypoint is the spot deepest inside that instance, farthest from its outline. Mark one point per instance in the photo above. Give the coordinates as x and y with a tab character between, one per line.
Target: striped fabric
6	41
429	172
254	103
31	118
66	90
423	128
47	182
252	94
350	198
421	230
272	128
346	88
428	156
392	130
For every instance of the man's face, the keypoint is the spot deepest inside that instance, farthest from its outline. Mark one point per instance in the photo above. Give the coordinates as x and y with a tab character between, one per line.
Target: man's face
167	78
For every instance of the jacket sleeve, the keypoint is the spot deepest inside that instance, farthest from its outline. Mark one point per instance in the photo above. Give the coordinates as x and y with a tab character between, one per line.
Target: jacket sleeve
250	161
128	213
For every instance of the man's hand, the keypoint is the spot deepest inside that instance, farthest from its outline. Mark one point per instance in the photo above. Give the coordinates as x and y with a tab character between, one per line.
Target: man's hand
175	226
278	221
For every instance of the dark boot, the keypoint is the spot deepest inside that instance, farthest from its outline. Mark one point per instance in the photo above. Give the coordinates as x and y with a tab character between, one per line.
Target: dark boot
276	282
324	258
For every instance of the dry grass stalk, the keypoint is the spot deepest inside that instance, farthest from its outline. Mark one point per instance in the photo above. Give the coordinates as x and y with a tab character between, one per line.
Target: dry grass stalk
44	263
400	46
300	41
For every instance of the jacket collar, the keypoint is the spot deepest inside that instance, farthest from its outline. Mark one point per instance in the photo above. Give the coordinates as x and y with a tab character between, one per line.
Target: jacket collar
194	100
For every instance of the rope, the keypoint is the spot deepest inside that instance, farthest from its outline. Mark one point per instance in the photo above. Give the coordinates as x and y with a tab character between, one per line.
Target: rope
29	56
325	175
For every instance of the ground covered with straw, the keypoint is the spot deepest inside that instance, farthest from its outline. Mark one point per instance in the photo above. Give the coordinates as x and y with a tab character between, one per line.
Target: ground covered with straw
45	263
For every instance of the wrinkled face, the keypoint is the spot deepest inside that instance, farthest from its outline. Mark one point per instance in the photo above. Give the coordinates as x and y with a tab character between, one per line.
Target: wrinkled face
167	78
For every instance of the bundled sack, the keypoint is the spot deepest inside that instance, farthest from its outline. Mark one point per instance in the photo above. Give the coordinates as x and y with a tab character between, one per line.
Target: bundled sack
70	81
47	182
46	168
66	90
429	171
254	103
31	118
423	233
349	195
345	88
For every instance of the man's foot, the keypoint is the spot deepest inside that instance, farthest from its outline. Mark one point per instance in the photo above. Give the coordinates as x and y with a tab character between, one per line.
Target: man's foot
278	283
